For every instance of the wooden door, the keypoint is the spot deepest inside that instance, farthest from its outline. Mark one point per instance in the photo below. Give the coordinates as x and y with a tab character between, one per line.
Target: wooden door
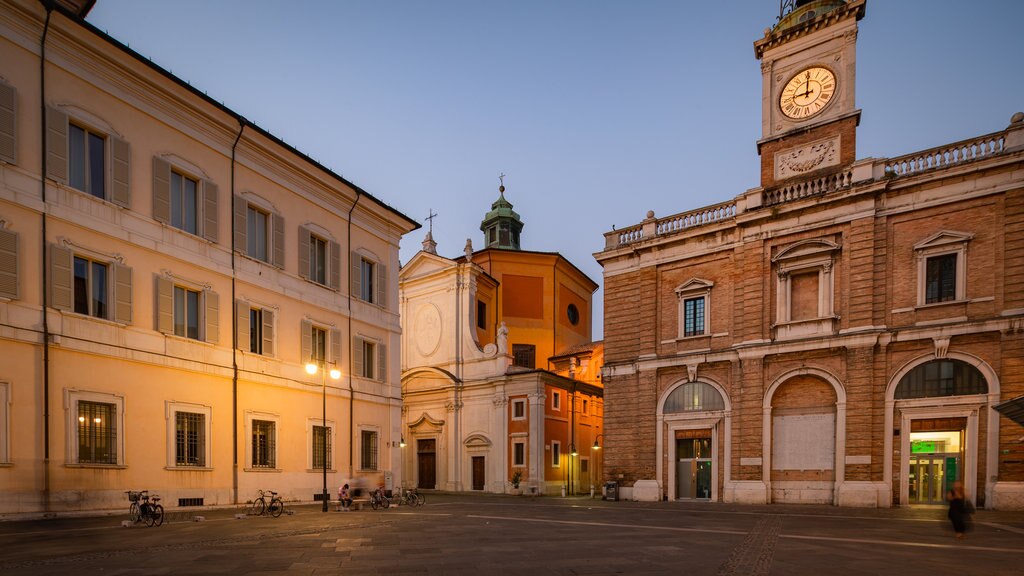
426	454
478	472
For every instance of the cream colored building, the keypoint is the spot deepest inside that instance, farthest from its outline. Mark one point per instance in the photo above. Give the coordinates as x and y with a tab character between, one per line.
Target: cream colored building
166	271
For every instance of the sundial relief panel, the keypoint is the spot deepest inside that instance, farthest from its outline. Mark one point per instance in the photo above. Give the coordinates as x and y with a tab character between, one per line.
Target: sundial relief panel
427	329
807	158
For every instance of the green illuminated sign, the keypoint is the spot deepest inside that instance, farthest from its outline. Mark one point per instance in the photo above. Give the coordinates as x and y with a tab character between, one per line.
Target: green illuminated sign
923	447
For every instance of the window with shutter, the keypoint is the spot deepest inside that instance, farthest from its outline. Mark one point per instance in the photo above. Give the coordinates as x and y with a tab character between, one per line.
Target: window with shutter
8	264
8	124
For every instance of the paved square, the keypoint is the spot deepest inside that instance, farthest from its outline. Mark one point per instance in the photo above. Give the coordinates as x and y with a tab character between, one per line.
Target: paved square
507	535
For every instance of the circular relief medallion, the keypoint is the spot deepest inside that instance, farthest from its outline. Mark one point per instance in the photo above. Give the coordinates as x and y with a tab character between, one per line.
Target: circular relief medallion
427	329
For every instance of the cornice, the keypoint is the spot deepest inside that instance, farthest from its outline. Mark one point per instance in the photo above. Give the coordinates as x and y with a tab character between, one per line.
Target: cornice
854	8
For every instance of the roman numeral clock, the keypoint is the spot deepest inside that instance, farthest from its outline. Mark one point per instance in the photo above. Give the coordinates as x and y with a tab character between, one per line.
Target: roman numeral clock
808	115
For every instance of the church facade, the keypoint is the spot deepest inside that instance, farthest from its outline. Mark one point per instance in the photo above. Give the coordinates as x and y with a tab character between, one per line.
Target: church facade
501	385
842	333
167	271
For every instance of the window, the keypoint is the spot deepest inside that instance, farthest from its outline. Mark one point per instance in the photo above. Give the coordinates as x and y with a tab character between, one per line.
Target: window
556	401
368	450
369	279
584	465
189	439
86	161
694	397
319	351
524	355
256	232
942	267
5	430
320	344
941	378
556	454
91	288
693	310
694	297
585	406
8	263
519	454
940	279
263	444
573	314
519	409
370	359
97	433
8	125
804	288
186	313
184	203
255	328
481	315
321	447
318	260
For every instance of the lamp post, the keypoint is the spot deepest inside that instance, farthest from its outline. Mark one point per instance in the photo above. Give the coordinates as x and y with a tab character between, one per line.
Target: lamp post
312	367
597	469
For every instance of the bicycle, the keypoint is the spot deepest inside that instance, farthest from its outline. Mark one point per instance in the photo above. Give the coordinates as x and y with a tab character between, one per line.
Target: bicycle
260	506
145	508
410	498
378	499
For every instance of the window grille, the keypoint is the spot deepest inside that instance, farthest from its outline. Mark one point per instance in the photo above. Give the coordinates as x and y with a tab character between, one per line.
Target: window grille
97	433
369	450
189	439
941	378
694	397
524	355
263	449
321	441
185	502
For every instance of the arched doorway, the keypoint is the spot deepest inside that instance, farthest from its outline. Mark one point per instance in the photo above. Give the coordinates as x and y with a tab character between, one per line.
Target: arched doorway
804	437
935	413
694	421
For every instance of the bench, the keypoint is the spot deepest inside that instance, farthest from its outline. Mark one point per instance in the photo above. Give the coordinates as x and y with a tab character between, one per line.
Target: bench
357	504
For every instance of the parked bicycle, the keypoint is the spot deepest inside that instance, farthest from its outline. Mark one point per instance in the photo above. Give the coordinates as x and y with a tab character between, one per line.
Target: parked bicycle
409	498
378	499
267	503
145	508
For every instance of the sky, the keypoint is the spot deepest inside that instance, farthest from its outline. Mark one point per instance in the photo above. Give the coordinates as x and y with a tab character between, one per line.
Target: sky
595	111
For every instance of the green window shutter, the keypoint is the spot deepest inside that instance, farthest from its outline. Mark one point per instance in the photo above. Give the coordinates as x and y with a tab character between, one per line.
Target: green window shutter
335	347
278	247
122	293
382	363
212	304
382	285
61	296
209	211
241	225
8	264
304	242
357	356
355	274
120	172
268	332
306	342
242	324
164	305
56	145
161	190
8	124
334	270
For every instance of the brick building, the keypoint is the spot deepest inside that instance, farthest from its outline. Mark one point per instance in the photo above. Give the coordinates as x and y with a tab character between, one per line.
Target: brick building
841	333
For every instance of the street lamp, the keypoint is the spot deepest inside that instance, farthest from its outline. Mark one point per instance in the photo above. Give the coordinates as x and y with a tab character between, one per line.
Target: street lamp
597	469
311	368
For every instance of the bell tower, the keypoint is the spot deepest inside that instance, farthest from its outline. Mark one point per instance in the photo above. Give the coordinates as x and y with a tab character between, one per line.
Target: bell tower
501	226
809	116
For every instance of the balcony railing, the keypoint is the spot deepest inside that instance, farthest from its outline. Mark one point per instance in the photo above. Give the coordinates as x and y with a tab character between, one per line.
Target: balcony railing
948	155
812	187
671	224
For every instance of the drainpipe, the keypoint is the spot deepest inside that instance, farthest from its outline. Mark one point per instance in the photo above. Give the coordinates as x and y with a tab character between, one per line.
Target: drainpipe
48	5
234	324
351	390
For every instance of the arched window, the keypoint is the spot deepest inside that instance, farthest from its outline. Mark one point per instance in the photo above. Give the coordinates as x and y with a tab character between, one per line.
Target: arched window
694	397
941	378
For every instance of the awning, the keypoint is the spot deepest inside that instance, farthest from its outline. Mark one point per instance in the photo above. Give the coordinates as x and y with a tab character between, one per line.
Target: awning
1013	409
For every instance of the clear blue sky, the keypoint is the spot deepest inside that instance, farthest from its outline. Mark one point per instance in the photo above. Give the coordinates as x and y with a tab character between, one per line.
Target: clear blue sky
596	111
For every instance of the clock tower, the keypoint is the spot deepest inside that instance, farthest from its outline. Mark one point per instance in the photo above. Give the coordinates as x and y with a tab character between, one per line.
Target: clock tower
808	114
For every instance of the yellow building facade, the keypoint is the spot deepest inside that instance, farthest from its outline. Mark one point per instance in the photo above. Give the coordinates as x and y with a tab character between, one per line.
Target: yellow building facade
167	270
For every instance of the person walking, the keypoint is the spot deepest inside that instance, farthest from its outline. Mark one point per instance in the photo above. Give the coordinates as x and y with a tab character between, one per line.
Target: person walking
960	509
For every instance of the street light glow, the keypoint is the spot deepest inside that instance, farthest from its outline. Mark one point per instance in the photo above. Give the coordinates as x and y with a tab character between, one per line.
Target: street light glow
311	368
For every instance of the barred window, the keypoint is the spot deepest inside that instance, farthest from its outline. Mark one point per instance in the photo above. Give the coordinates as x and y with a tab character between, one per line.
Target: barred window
97	433
368	459
189	439
941	378
524	355
263	449
321	447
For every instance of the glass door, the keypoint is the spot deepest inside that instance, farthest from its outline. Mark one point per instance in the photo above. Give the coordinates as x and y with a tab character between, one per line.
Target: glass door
693	468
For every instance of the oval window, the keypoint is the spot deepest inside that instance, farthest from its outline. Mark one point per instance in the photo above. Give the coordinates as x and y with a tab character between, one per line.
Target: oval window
573	313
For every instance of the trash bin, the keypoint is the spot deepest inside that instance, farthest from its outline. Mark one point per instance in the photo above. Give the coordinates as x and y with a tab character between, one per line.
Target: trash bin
611	491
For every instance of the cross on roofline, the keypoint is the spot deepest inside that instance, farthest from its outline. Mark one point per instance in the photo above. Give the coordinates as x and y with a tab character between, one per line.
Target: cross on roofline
430	219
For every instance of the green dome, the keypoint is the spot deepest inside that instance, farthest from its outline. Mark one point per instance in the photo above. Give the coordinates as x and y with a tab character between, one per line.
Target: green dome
805	10
501	226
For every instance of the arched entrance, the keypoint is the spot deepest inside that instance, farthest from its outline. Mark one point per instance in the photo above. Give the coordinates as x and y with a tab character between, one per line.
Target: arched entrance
694	421
804	437
937	411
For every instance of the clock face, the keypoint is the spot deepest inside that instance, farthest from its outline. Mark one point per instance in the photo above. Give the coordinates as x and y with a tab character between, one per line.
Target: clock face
808	93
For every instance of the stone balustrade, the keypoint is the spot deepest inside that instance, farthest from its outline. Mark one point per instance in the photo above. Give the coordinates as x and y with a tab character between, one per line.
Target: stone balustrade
948	155
812	187
670	224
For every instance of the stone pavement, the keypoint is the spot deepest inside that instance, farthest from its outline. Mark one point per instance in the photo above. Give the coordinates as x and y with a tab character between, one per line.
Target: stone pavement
496	535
